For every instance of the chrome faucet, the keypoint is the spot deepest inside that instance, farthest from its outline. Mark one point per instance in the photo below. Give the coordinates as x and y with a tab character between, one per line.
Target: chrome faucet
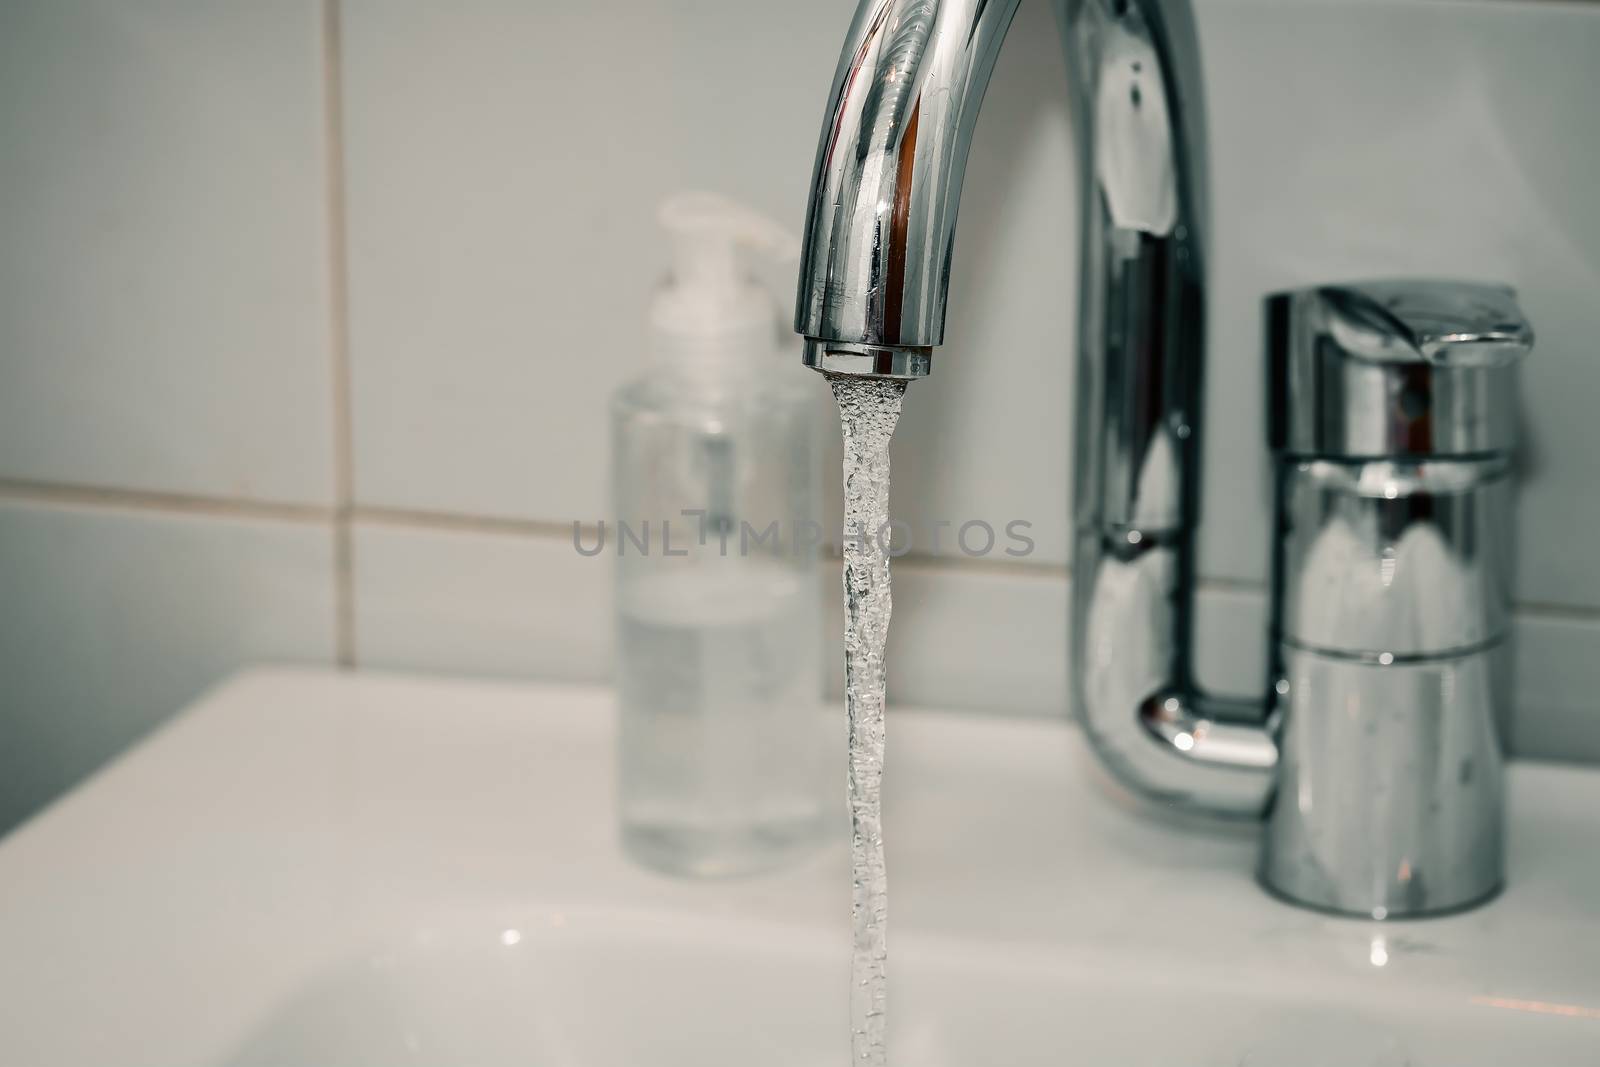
1387	806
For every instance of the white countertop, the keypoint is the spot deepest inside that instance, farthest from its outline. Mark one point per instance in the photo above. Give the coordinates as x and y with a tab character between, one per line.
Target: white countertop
293	821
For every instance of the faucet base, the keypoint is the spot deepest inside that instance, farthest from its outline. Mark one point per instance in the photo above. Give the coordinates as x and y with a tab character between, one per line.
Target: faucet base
1379	914
1390	796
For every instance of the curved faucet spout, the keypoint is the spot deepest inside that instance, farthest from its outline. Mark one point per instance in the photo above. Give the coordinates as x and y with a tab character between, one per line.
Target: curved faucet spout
875	270
881	221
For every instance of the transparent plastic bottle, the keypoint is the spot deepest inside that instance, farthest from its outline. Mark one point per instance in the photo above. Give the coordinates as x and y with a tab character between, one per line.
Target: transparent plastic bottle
722	725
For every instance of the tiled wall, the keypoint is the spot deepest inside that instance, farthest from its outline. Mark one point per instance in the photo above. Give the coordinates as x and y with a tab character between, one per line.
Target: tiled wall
308	316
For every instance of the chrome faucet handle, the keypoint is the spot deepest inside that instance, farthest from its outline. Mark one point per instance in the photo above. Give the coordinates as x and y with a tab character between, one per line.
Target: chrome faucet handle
1394	411
1446	323
1395	368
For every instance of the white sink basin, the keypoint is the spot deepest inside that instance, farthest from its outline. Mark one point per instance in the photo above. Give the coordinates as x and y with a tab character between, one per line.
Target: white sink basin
309	869
612	990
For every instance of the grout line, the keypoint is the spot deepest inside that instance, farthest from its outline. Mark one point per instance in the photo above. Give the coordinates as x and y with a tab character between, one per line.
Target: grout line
1496	5
1231	585
347	514
339	339
922	562
156	500
414	518
1568	612
459	522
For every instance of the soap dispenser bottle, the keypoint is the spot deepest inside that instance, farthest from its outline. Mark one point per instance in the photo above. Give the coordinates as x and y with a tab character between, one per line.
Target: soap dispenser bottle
717	604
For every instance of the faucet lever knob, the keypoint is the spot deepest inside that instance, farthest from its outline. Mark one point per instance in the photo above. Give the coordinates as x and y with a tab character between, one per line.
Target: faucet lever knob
1395	368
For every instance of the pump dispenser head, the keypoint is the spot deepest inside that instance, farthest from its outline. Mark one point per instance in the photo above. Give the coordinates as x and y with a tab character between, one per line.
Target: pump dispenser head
712	320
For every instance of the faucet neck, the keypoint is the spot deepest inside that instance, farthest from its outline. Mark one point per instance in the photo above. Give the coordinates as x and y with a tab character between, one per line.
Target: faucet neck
881	219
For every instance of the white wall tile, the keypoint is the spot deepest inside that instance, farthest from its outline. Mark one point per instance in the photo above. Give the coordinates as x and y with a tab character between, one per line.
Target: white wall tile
981	639
1557	679
1408	138
163	236
985	637
1231	639
505	161
513	605
503	249
465	602
116	619
994	638
987	435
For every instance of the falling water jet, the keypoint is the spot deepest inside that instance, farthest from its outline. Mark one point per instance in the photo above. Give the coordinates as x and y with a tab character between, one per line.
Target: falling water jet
869	408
